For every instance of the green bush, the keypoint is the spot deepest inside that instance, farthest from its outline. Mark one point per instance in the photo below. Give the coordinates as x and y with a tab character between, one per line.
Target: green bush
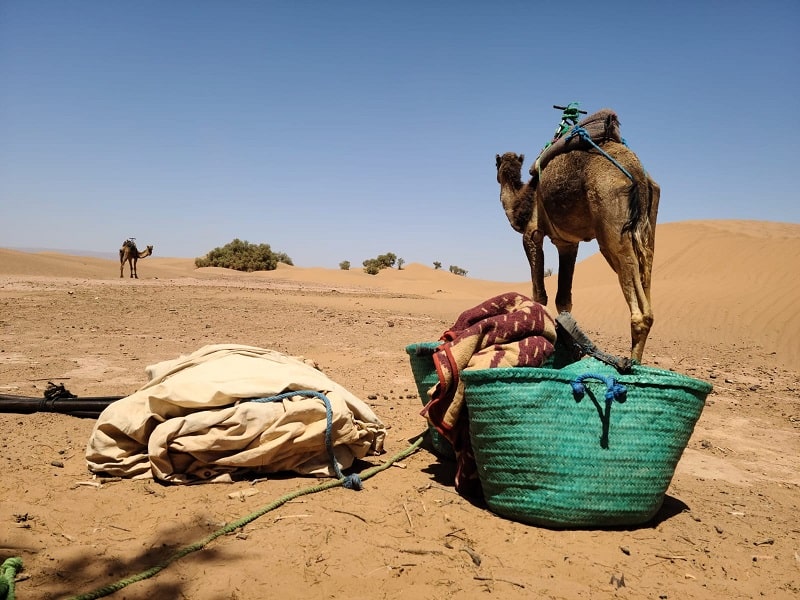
384	261
372	267
344	265
437	265
458	271
243	256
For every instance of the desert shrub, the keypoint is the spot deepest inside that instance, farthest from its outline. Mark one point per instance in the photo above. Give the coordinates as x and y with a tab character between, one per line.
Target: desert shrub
243	256
400	263
548	272
384	261
344	265
372	266
458	271
437	265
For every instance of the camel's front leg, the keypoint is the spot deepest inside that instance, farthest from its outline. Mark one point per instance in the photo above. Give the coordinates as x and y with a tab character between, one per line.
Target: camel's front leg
567	255
532	242
133	268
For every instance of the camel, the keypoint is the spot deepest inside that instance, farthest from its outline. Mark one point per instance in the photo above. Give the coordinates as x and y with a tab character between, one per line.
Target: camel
130	253
580	196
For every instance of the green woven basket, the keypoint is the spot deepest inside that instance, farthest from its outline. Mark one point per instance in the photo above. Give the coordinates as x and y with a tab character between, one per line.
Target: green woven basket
421	358
555	447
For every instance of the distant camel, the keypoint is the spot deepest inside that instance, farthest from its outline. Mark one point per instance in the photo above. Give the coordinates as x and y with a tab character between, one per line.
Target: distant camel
130	253
580	196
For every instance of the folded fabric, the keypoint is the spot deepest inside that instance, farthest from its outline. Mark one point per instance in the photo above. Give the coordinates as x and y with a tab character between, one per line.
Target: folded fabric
193	422
509	330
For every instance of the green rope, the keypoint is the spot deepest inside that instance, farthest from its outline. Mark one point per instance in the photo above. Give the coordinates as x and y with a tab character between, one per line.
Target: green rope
231	527
8	571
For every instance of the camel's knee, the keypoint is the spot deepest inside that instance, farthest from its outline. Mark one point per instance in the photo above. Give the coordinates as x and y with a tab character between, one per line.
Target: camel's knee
640	329
641	324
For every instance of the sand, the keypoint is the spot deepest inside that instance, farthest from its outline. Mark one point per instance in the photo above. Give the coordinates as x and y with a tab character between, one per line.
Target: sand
725	295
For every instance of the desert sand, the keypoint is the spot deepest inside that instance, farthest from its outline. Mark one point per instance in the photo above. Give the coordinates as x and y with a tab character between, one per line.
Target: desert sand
725	295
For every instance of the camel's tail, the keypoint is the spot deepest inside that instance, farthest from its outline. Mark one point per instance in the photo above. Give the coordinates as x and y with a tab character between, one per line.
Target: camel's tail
642	214
634	210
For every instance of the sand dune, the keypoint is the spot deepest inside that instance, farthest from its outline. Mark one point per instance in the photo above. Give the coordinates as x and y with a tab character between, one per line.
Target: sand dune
728	282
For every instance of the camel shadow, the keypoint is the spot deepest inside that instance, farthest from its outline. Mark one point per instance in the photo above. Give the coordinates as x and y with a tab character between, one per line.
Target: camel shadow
104	574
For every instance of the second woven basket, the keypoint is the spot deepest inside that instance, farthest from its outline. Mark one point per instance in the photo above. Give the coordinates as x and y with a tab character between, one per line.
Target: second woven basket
420	356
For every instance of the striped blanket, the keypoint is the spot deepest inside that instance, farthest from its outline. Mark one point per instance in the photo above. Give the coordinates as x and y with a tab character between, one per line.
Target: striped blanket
509	330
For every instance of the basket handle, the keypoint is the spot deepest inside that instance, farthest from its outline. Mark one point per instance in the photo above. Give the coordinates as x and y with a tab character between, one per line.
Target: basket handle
614	391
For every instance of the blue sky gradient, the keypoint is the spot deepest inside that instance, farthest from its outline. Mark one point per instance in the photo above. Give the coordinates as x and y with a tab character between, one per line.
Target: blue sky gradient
343	130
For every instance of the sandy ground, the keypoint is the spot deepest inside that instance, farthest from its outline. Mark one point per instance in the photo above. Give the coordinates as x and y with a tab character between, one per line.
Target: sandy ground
725	295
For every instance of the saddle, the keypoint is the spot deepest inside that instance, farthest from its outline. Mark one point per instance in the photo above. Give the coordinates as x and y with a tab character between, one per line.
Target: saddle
602	126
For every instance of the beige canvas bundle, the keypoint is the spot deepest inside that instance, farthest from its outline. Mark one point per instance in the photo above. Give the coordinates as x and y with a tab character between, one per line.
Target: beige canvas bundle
192	422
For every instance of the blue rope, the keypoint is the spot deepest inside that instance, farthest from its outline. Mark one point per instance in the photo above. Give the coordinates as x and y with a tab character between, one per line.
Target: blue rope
351	482
584	135
614	391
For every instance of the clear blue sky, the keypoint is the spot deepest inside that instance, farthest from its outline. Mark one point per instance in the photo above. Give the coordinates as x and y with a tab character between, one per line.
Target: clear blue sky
343	130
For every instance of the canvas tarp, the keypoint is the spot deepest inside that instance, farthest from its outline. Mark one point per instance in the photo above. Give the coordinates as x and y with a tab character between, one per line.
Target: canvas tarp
192	421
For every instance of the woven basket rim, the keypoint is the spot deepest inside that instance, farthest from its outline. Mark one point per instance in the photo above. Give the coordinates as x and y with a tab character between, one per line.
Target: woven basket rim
641	375
422	348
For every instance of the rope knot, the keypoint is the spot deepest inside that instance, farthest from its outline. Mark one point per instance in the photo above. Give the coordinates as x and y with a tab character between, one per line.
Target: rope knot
614	390
353	482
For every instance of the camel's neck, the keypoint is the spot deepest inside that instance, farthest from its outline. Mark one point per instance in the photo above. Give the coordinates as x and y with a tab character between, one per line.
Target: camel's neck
517	199
145	254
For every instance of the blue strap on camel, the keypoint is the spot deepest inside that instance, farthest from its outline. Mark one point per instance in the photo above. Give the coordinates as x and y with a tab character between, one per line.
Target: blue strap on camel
596	129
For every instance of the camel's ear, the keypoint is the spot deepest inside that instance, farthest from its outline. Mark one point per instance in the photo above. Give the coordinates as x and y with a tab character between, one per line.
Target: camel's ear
522	158
497	160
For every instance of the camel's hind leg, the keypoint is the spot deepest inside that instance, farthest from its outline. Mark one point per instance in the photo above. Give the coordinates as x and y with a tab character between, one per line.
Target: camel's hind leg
626	264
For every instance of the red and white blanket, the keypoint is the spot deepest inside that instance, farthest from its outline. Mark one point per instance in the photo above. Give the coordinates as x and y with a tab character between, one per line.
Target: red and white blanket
509	330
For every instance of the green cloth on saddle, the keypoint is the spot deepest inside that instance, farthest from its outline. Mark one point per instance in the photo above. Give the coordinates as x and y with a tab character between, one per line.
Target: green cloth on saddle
602	126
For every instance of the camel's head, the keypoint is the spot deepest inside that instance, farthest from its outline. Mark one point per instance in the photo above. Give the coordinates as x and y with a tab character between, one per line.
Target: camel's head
509	165
149	249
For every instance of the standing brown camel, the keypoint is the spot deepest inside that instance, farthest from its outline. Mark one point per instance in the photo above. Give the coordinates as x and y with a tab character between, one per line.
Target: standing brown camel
580	196
130	253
